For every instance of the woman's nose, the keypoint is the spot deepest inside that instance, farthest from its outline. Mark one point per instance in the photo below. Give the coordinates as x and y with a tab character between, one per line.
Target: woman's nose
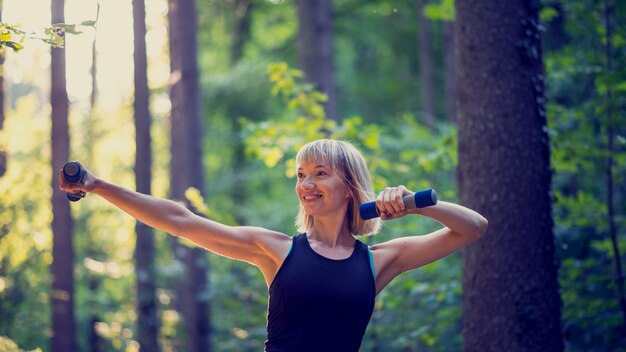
307	182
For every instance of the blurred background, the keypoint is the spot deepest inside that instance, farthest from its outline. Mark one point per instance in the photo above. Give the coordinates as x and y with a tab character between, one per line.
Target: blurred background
516	109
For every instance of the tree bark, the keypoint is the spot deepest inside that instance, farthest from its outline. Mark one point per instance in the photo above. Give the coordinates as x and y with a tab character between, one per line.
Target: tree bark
187	169
147	317
511	296
315	48
63	326
425	65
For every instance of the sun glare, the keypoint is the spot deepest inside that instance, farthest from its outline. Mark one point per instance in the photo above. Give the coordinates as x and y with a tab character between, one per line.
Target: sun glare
114	48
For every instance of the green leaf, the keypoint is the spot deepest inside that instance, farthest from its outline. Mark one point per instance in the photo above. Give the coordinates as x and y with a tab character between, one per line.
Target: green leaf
547	14
91	23
443	11
15	46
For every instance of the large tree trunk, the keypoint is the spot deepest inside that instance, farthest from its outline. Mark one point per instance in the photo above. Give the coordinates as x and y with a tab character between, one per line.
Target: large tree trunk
315	48
511	296
425	66
186	166
63	325
147	318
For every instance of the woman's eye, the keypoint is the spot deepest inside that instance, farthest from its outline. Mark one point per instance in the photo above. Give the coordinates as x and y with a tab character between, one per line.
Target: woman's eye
321	173
300	175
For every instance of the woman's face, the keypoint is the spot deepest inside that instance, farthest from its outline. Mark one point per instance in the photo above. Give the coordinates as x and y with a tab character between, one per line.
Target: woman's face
320	189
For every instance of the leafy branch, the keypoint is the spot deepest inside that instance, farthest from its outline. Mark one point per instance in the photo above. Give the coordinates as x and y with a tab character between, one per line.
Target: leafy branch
278	139
13	37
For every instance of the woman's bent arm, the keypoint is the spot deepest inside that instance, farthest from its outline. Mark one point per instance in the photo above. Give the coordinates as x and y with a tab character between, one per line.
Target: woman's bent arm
462	226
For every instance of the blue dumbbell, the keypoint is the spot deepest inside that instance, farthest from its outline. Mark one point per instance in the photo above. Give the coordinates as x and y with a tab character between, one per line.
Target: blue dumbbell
73	172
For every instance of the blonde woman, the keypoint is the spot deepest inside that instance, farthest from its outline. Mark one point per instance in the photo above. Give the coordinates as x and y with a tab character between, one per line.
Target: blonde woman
322	282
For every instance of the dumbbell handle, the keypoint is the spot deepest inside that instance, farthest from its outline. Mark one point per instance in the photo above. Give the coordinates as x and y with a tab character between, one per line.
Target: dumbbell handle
421	199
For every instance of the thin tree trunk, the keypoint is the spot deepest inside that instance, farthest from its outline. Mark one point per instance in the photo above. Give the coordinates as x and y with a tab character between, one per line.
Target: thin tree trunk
449	75
243	13
147	318
619	275
63	326
425	65
93	338
95	341
316	50
94	74
187	169
3	153
243	9
511	296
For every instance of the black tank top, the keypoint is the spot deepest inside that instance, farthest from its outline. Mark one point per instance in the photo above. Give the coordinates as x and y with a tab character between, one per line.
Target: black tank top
320	304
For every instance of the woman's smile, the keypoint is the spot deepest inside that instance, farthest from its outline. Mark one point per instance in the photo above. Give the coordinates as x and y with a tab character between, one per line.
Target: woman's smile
311	197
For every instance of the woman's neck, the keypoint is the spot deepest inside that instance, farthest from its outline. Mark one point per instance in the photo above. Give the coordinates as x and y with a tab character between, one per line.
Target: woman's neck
331	234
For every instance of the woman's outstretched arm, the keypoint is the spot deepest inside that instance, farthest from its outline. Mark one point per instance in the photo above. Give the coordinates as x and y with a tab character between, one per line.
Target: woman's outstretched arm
255	245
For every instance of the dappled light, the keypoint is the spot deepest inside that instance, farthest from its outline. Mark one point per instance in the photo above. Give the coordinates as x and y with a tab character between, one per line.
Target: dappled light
512	111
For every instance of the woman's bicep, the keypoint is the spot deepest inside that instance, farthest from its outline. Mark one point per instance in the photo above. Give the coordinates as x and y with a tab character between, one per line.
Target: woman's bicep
407	253
229	241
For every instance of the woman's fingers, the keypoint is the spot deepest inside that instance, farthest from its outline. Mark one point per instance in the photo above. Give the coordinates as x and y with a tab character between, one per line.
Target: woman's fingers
390	203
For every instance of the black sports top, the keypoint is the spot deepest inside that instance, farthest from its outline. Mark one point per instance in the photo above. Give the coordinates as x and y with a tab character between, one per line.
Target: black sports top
320	304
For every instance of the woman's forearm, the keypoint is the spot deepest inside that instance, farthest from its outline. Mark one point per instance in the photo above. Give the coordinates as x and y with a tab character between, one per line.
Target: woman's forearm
162	214
457	218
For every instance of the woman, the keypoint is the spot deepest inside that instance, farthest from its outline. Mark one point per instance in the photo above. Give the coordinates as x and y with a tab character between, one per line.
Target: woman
323	282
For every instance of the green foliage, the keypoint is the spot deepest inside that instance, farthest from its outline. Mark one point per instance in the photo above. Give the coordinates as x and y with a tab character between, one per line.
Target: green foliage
7	345
578	84
305	121
25	237
377	65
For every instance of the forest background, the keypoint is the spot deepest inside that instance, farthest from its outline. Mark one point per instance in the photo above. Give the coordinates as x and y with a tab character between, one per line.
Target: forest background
392	92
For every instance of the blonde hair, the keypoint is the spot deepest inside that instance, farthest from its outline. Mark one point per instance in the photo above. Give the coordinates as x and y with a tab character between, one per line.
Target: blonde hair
350	165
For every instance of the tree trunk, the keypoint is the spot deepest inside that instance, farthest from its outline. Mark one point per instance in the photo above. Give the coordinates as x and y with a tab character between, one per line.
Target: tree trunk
315	48
95	342
426	65
186	166
3	153
241	30
555	35
511	296
619	275
62	225
449	74
147	318
94	74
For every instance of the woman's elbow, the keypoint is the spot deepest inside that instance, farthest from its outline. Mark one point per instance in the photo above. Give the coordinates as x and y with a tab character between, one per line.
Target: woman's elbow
481	227
178	223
